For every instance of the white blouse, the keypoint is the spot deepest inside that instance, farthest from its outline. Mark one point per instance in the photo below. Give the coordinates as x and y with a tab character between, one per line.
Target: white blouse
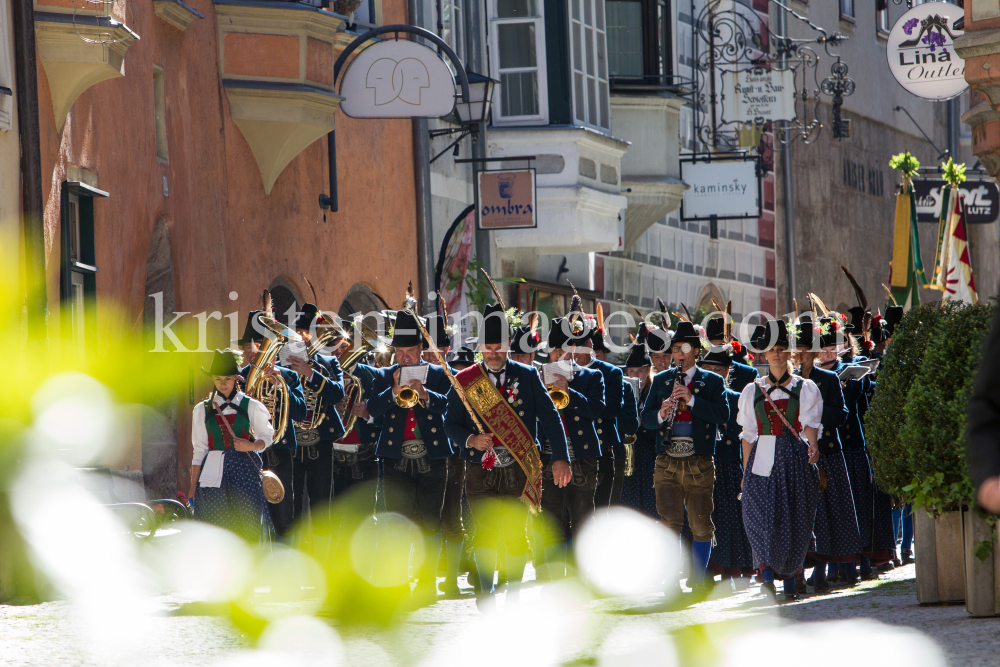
810	405
260	422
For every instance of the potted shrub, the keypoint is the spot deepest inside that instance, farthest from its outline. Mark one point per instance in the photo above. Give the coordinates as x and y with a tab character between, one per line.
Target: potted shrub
934	430
906	435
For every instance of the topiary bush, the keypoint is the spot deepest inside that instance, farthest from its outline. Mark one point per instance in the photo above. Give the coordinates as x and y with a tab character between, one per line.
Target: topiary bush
934	425
884	420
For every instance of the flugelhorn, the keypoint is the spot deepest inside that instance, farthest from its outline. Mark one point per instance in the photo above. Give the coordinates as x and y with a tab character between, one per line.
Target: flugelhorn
559	397
407	398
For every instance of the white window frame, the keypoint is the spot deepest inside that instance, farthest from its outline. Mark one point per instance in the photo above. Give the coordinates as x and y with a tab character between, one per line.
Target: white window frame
542	117
456	38
601	35
77	308
73	201
6	70
882	16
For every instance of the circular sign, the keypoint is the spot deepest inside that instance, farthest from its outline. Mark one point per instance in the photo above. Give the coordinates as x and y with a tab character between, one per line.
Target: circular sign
921	51
397	79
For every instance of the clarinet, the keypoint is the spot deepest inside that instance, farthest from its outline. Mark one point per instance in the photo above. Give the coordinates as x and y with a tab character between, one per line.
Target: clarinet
669	421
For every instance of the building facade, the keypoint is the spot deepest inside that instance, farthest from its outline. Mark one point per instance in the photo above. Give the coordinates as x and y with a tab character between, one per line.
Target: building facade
183	154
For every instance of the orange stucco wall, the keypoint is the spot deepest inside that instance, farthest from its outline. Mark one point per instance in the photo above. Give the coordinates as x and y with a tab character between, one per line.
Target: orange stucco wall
262	55
225	234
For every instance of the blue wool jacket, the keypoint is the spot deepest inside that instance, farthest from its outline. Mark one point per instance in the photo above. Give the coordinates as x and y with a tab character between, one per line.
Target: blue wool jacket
430	417
607	426
740	375
296	406
586	404
729	447
532	405
628	420
710	408
851	434
835	413
328	380
367	433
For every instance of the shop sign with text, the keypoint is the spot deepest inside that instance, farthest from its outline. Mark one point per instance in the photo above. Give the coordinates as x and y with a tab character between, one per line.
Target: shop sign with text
758	95
507	199
921	51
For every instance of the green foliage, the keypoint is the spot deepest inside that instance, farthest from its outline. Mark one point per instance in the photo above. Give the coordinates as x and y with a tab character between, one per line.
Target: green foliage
903	359
953	173
477	288
916	424
905	163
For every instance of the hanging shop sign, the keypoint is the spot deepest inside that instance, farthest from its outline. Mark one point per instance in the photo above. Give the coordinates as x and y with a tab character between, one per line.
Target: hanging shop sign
982	200
397	79
759	95
921	51
507	199
722	186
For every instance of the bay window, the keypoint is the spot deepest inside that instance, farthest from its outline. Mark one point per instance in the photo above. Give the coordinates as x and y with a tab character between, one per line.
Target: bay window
517	42
589	62
639	43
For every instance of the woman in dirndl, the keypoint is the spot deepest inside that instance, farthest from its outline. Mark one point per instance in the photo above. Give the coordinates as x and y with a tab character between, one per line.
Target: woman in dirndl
780	482
637	489
227	432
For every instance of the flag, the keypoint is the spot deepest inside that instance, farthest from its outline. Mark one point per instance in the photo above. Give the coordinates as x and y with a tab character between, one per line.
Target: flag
949	209
453	264
959	284
906	274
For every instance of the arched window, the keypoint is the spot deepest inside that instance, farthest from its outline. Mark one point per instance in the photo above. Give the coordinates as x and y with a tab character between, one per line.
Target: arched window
284	301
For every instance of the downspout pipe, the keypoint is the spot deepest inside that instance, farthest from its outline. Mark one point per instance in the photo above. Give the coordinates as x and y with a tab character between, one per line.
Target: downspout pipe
787	193
26	73
422	187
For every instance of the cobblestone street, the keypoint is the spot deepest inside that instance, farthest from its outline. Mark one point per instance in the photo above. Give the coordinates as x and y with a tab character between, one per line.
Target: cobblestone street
49	634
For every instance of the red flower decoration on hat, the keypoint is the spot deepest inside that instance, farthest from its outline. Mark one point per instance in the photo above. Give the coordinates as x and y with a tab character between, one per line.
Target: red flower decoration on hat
749	357
835	325
818	330
736	346
536	337
869	346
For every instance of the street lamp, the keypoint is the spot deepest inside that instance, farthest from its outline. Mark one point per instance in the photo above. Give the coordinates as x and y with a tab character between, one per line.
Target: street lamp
469	115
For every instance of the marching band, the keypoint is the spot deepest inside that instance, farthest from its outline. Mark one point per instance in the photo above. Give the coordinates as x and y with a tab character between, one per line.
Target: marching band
764	469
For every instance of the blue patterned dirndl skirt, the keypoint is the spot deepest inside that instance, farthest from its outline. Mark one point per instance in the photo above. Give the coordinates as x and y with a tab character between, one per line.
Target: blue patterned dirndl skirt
837	536
731	554
859	471
779	511
637	490
238	504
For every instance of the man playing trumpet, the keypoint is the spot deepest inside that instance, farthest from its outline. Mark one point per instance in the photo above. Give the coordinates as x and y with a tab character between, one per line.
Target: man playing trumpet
412	445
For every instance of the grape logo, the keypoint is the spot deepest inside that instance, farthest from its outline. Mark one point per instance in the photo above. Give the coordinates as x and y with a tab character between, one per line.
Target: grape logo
403	80
397	79
921	51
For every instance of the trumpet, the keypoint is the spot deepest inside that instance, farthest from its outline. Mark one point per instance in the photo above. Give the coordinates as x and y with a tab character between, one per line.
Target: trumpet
559	397
408	397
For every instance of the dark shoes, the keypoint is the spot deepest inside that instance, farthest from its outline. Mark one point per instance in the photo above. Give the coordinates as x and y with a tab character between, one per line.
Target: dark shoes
800	586
450	588
907	556
767	589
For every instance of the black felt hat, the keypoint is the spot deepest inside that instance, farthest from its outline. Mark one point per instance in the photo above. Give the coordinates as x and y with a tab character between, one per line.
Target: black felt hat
495	327
658	340
563	333
773	333
597	338
307	317
833	331
687	333
464	358
715	328
251	334
720	355
802	334
893	316
438	329
223	363
524	341
857	318
879	330
404	331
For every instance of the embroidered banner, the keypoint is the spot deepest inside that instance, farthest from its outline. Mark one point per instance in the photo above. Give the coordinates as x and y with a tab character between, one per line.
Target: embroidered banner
507	428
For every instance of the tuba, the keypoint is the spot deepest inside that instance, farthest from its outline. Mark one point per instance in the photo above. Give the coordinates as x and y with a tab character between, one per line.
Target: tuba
331	334
273	396
355	350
